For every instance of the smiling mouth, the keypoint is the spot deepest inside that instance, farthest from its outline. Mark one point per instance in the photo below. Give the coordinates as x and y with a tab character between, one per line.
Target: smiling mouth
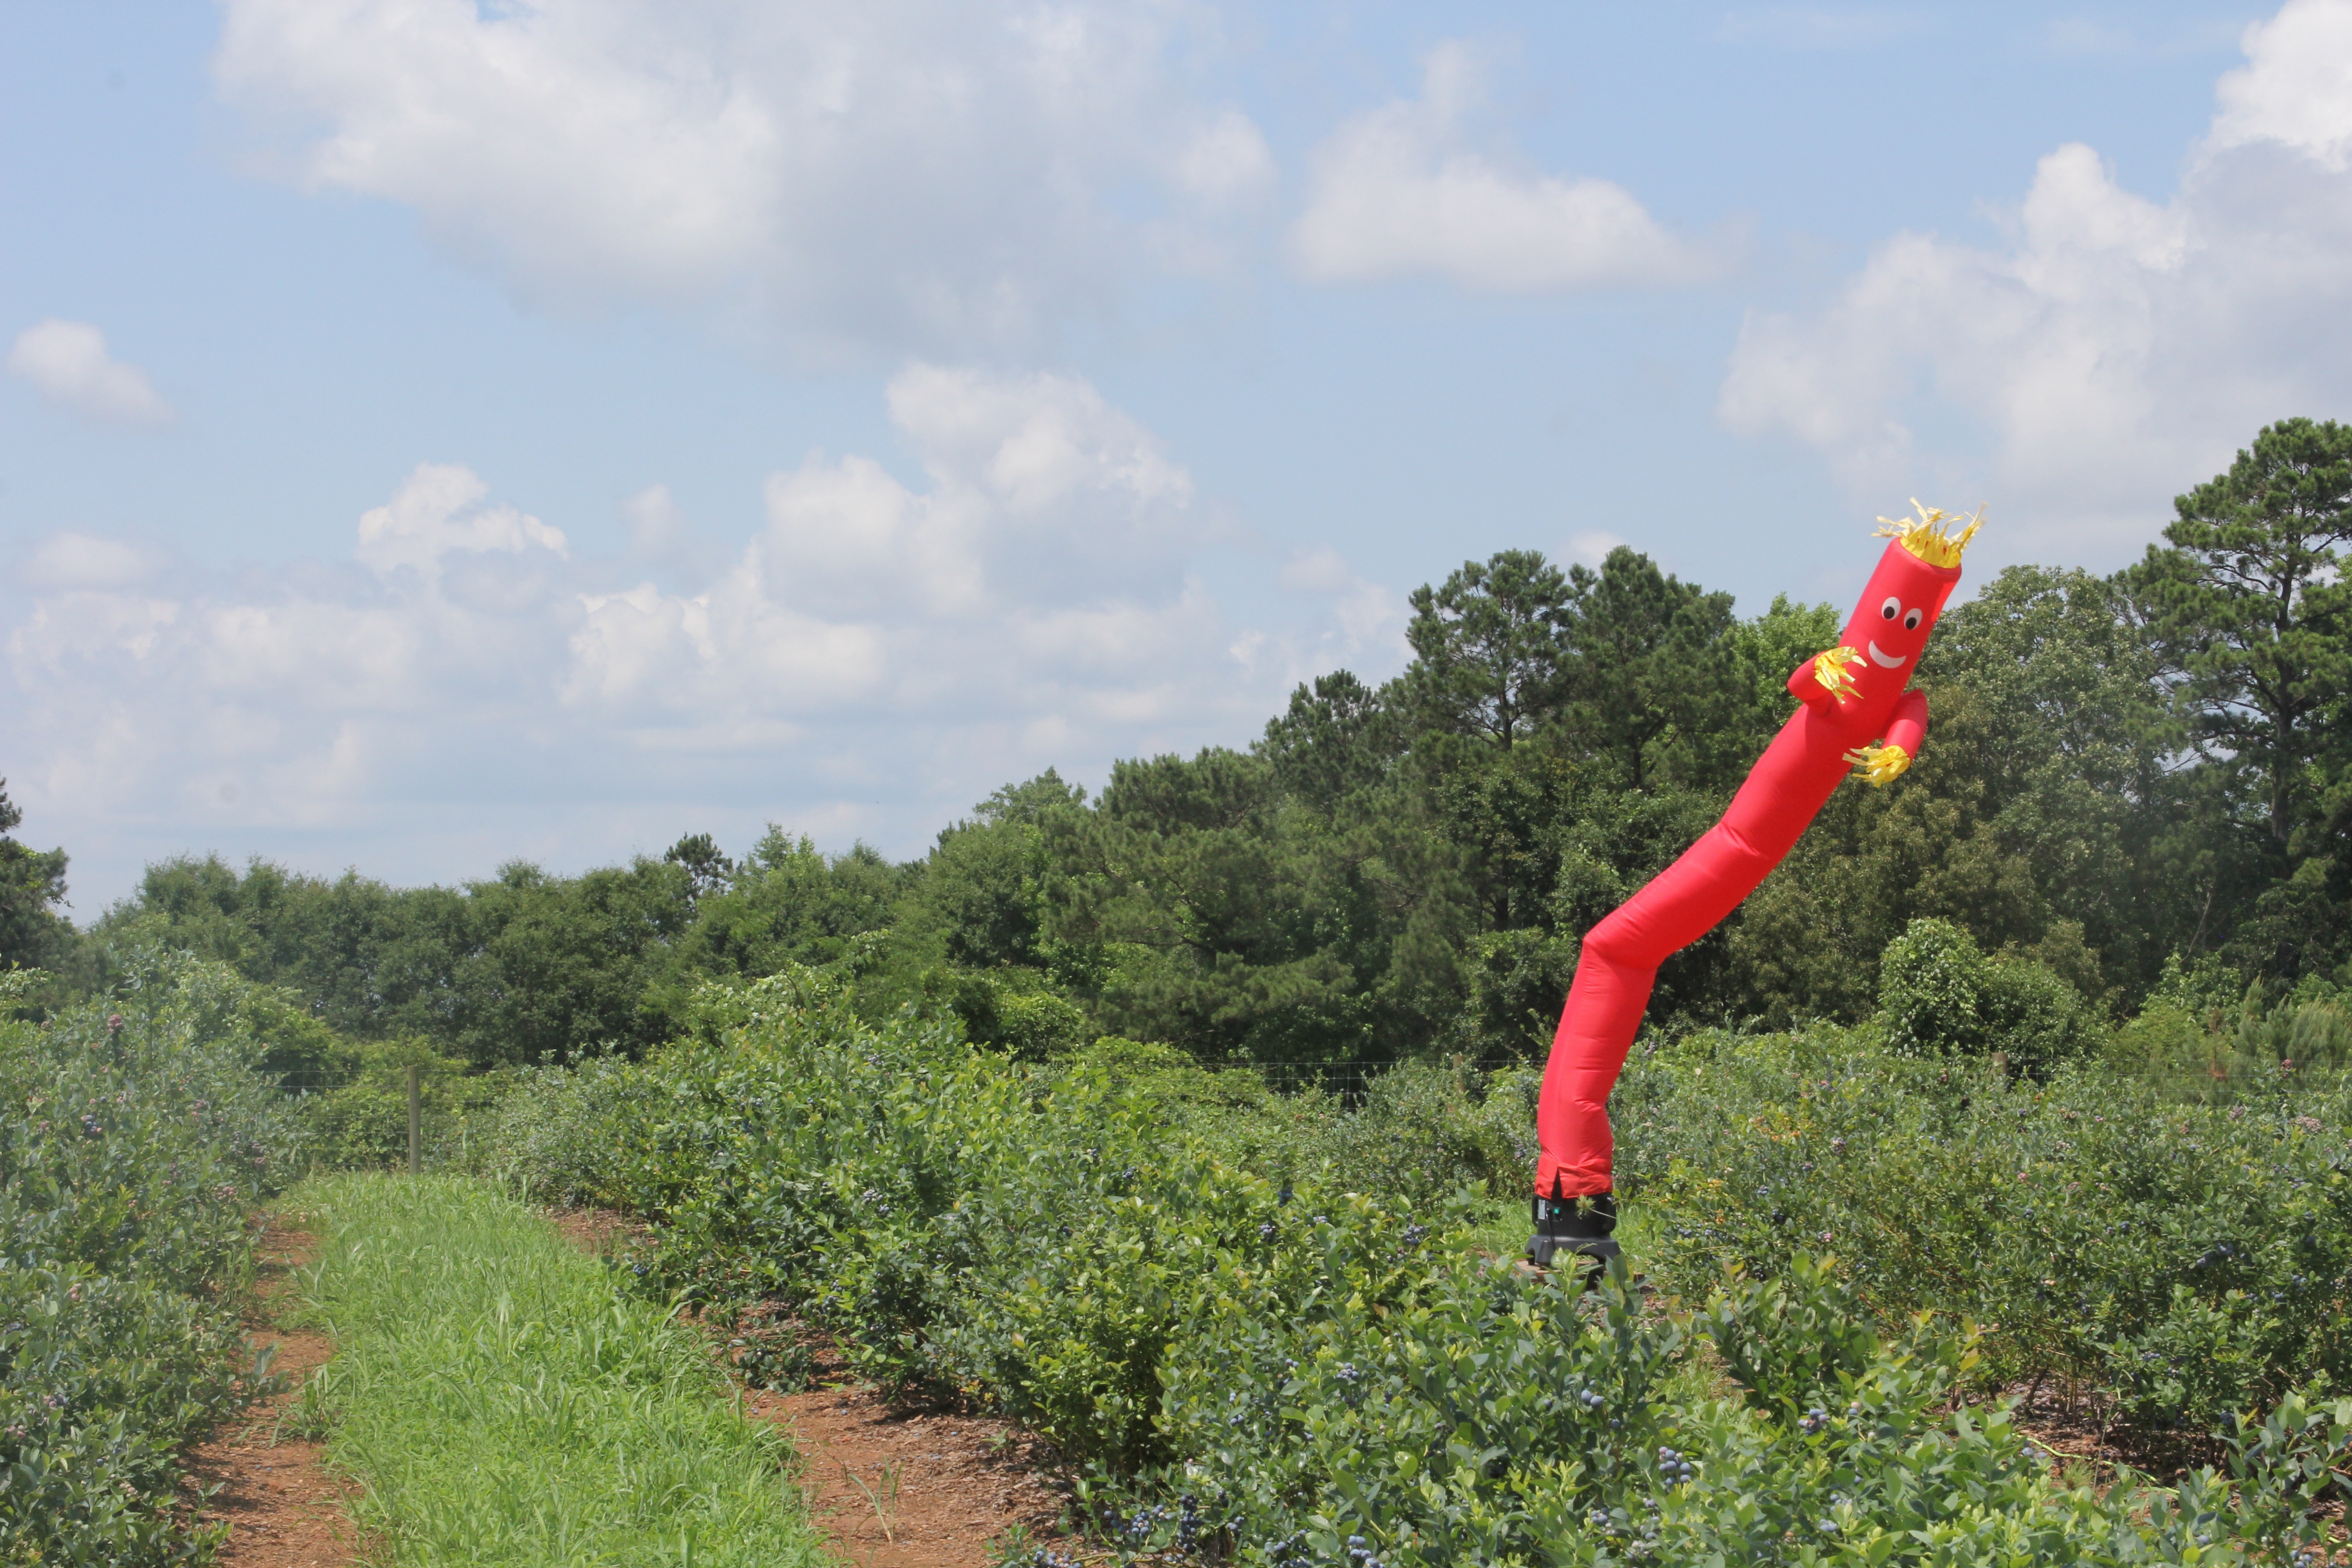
1887	661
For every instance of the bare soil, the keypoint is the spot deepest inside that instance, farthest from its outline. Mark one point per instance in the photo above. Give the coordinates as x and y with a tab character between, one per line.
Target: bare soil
892	1485
2071	1431
911	1488
283	1509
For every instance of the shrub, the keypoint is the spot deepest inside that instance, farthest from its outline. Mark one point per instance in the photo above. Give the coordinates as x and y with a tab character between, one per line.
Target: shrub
2186	1261
356	1100
136	1135
552	1134
1939	994
1015	1009
1262	1366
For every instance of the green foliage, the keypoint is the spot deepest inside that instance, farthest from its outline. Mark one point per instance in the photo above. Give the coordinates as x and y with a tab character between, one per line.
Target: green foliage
1556	845
1016	1010
1243	928
2243	1052
2245	601
1797	1343
1253	1358
787	903
1488	648
1629	664
1421	1132
2183	1261
2289	1466
358	1110
33	935
1651	684
550	1132
520	968
506	1403
136	1136
1937	993
1486	1416
1338	739
2065	761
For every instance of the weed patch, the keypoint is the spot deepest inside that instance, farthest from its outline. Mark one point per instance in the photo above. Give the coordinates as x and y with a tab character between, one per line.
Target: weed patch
505	1402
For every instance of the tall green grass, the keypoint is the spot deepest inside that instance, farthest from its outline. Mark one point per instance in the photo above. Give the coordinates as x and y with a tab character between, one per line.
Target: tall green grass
505	1403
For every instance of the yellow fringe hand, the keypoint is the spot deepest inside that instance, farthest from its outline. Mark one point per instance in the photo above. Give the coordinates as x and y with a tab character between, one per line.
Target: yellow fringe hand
1829	669
1877	765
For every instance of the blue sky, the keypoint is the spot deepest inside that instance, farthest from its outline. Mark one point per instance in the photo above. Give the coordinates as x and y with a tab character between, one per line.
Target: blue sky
434	433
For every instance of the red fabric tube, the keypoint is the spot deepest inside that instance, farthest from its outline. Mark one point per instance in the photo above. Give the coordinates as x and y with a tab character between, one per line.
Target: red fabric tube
1782	794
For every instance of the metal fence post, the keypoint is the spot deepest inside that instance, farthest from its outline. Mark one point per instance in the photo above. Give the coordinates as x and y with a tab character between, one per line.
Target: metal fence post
415	1124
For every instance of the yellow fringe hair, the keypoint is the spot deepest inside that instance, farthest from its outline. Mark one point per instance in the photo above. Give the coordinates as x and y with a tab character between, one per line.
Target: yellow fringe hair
1933	536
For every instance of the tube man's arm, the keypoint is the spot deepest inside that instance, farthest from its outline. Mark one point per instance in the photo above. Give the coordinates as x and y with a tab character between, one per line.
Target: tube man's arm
1825	676
1886	762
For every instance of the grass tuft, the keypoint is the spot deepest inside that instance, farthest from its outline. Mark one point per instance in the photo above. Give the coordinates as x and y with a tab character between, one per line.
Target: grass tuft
505	1402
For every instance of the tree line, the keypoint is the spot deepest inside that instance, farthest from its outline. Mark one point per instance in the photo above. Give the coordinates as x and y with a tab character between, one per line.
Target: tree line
2132	781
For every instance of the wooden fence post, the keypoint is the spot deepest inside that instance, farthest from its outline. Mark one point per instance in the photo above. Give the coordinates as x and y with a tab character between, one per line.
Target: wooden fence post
415	1124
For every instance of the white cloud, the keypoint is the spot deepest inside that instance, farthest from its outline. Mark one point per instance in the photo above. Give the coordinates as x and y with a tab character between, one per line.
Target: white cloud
70	560
68	363
878	654
437	514
2113	350
1400	193
2296	88
901	172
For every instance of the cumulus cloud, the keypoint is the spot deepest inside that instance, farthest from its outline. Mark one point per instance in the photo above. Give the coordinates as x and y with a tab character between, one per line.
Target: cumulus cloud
906	174
2295	89
2113	349
1402	193
68	363
437	514
881	652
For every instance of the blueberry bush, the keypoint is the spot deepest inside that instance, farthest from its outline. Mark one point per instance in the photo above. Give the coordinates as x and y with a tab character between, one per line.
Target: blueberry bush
2176	1262
136	1136
1246	1356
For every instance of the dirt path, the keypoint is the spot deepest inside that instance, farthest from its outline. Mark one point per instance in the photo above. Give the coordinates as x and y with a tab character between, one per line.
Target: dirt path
283	1510
894	1487
914	1490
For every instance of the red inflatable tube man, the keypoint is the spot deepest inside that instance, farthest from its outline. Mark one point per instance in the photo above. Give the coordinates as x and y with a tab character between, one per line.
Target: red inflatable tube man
1854	714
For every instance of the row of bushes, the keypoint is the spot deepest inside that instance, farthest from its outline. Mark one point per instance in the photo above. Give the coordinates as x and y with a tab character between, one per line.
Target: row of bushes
135	1138
2175	1262
1250	1354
